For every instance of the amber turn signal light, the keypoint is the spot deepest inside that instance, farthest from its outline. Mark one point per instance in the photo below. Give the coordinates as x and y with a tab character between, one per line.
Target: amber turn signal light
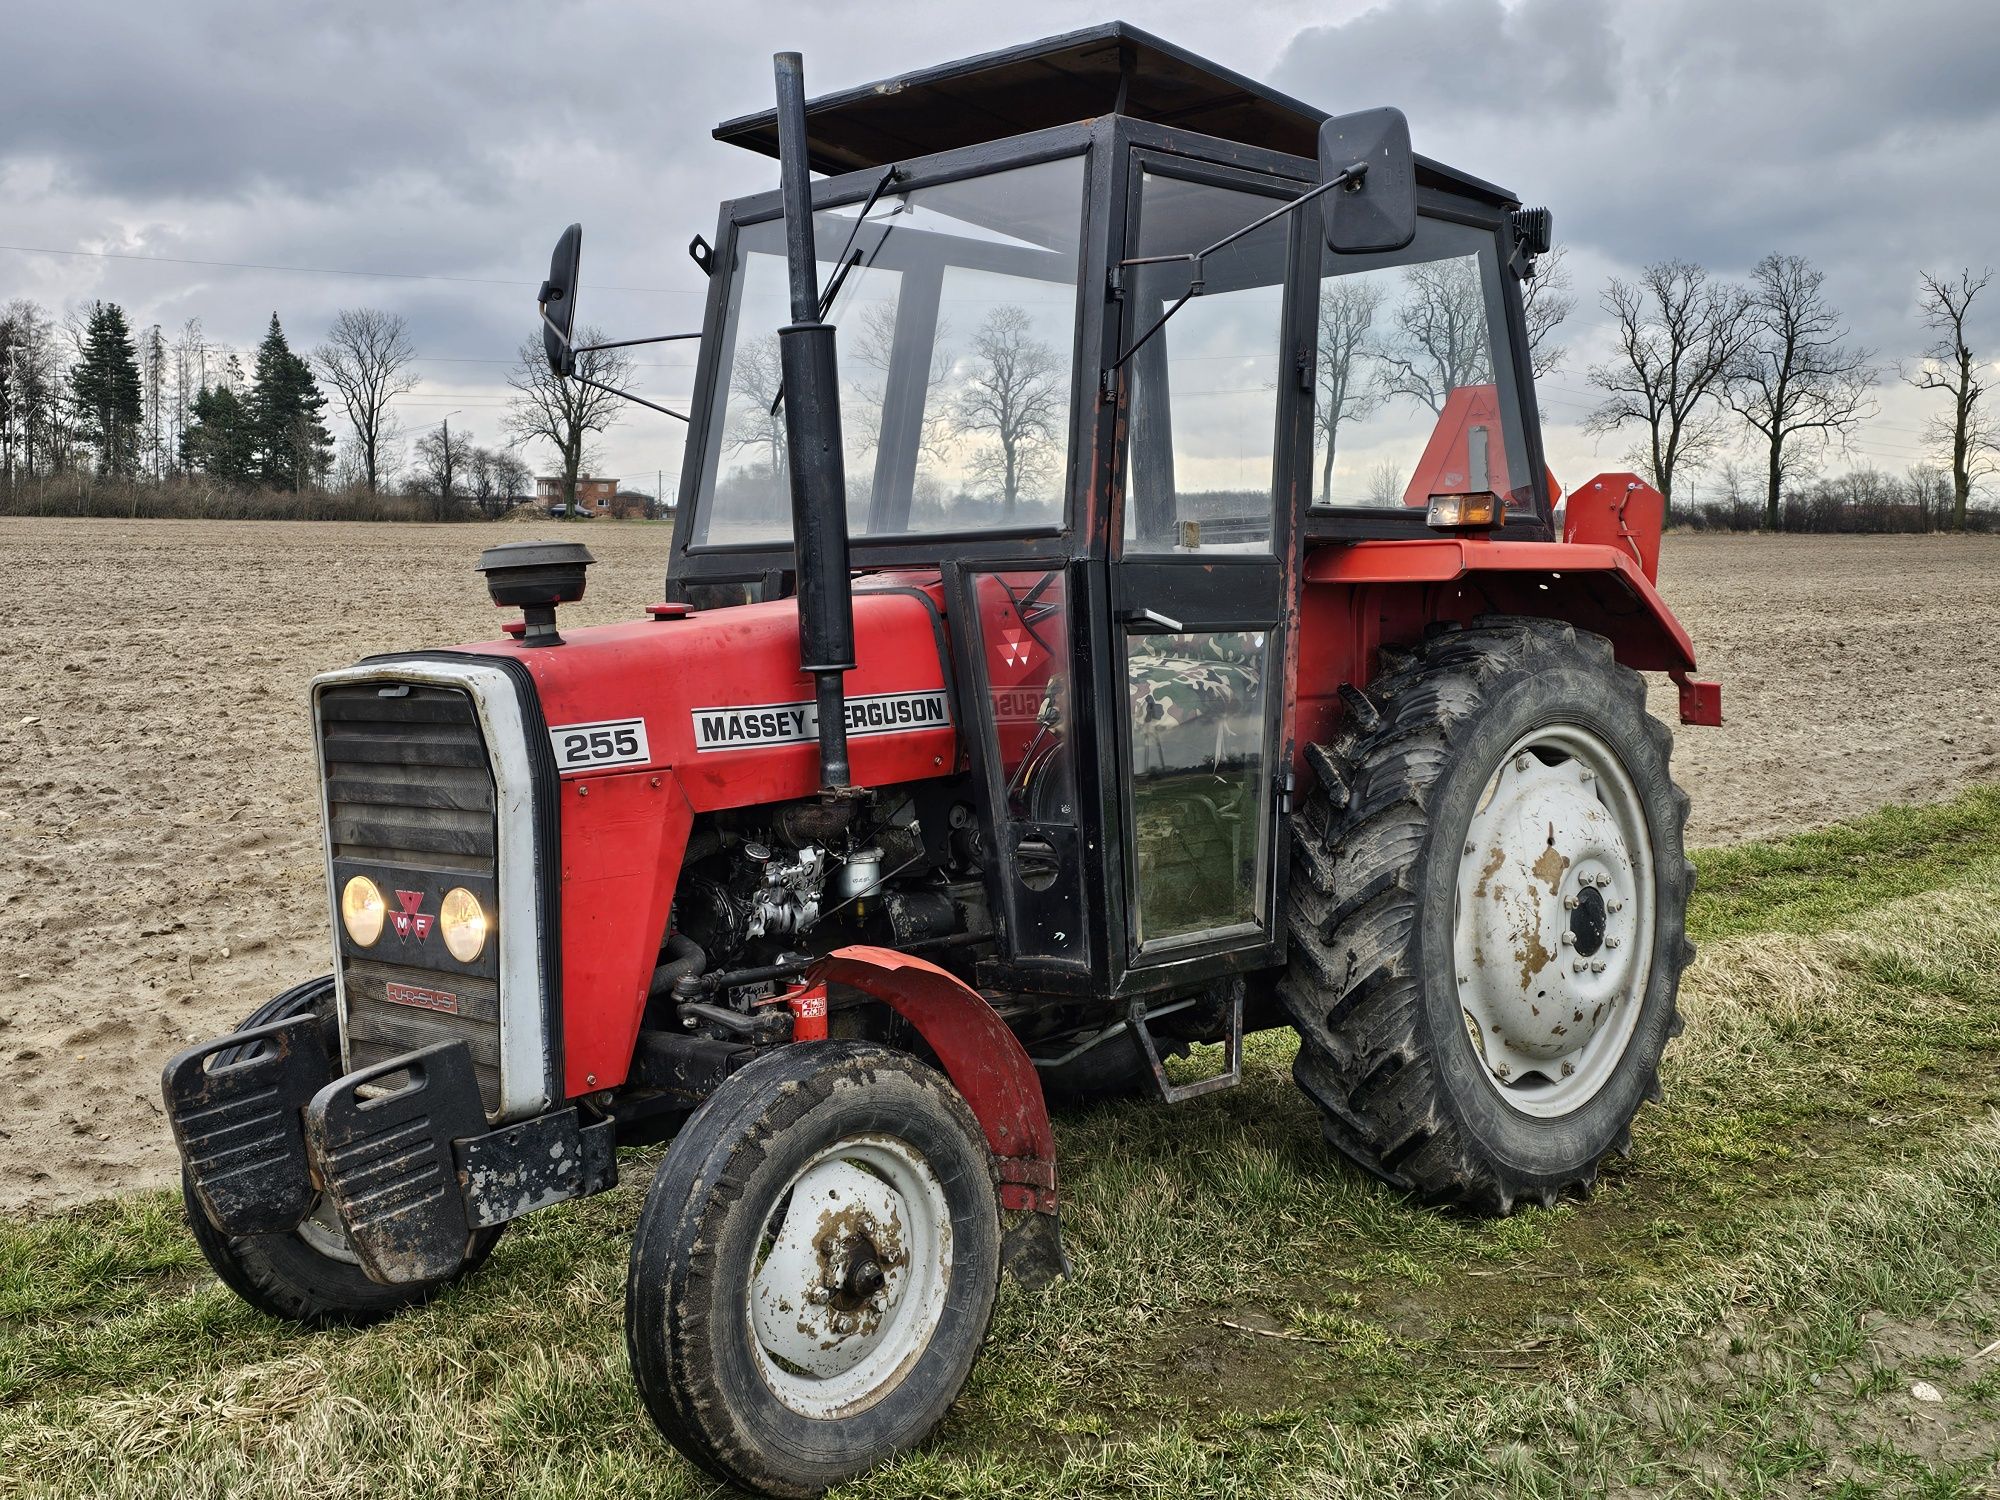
1456	512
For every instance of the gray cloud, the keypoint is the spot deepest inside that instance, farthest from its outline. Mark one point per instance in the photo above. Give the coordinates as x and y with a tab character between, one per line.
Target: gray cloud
455	138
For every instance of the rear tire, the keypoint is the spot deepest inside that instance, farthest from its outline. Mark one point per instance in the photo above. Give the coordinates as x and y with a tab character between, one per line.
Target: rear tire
1442	779
311	1275
815	1267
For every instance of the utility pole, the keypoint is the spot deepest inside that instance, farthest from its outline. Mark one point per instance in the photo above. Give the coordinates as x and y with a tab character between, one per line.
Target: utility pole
444	486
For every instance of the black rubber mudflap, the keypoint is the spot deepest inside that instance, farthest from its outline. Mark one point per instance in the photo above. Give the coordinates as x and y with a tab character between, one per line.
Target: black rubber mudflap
234	1104
386	1160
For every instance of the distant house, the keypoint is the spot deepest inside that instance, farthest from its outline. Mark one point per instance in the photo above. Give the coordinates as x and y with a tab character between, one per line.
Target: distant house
593	495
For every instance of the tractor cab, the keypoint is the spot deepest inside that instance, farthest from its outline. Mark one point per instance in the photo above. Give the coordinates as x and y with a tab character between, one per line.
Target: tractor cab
1111	509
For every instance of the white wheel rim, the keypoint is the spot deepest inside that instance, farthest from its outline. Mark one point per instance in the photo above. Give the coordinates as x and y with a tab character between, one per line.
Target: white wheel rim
850	1277
323	1231
1553	926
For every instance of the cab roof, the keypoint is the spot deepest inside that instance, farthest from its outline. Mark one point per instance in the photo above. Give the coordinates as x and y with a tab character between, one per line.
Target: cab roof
1110	69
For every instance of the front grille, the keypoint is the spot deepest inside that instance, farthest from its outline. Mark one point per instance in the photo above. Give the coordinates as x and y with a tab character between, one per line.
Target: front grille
410	802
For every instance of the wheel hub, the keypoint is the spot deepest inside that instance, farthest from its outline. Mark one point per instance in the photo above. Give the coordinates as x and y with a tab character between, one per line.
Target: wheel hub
852	1277
1552	929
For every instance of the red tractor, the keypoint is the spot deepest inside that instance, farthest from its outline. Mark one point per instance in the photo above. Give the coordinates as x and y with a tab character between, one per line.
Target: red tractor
1173	641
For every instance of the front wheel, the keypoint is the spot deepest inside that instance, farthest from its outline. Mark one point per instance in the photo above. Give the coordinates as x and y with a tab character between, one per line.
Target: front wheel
312	1274
815	1267
1488	916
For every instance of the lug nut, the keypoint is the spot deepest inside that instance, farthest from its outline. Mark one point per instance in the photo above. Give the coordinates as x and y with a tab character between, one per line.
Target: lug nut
1603	880
1614	906
1568	938
1611	942
846	1323
1521	761
1597	966
1579	966
1569	903
1568	1068
819	1296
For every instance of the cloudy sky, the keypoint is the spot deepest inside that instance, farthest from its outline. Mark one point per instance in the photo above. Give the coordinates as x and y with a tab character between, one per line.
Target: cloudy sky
439	148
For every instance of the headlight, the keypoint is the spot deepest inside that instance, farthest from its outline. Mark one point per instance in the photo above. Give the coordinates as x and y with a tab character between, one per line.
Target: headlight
463	922
362	910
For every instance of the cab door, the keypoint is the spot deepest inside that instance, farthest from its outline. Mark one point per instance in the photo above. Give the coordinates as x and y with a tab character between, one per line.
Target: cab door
1202	562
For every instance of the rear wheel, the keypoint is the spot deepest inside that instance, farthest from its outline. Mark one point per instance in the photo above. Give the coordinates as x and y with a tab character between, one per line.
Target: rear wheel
311	1274
1488	916
815	1267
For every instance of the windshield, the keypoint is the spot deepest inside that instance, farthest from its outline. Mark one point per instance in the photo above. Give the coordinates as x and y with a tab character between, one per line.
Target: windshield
957	362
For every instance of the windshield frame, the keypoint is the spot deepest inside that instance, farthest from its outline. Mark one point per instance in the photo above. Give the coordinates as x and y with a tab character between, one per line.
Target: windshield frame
1096	422
1086	142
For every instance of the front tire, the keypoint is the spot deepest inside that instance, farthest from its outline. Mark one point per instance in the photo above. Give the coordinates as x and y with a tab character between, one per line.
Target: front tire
1488	916
815	1267
311	1274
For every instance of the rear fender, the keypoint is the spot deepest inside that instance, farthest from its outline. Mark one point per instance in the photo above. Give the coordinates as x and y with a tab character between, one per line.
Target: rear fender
1361	597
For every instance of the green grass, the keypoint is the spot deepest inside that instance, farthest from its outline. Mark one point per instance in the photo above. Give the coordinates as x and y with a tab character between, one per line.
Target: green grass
1810	1224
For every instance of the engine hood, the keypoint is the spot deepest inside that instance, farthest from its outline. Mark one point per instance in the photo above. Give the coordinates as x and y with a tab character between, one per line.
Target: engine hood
718	698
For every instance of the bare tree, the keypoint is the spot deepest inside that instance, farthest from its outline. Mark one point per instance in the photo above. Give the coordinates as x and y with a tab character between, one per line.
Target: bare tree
190	380
153	385
1347	308
873	344
1014	392
1680	337
756	418
510	476
443	461
1545	302
564	413
38	413
1797	378
366	359
1965	431
1439	341
1385	483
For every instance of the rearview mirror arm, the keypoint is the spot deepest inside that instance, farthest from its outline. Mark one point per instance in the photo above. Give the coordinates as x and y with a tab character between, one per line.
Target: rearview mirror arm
660	338
1352	177
599	385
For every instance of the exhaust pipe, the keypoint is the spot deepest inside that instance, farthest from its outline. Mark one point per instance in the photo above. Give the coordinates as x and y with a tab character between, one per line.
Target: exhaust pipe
812	444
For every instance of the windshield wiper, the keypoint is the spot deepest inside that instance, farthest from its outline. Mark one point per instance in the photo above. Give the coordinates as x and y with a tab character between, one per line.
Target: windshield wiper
848	258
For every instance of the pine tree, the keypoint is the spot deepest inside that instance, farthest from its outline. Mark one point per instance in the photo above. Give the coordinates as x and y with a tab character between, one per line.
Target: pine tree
106	391
219	440
293	446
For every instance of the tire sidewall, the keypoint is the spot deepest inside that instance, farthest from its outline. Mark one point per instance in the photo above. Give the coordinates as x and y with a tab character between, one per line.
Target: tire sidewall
1549	1150
688	1323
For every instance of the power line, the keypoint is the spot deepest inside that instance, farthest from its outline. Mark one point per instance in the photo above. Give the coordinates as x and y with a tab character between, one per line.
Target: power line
243	265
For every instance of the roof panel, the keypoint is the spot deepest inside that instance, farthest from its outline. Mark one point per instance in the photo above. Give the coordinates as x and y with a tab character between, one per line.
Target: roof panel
1109	69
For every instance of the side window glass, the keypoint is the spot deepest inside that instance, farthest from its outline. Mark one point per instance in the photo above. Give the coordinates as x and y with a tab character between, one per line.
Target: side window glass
1024	668
1199	784
1408	398
1204	403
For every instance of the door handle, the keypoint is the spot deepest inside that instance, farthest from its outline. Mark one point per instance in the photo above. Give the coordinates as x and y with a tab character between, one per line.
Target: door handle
1151	617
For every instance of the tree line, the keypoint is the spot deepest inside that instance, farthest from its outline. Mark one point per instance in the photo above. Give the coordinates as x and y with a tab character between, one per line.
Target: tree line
89	398
1711	376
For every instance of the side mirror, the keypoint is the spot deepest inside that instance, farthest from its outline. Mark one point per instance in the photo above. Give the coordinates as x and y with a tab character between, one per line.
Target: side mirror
1378	212
558	301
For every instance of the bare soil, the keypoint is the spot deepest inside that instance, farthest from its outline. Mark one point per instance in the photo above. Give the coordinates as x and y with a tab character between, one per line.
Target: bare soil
160	868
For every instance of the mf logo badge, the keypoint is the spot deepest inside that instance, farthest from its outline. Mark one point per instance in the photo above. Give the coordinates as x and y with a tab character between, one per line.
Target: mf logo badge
412	921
